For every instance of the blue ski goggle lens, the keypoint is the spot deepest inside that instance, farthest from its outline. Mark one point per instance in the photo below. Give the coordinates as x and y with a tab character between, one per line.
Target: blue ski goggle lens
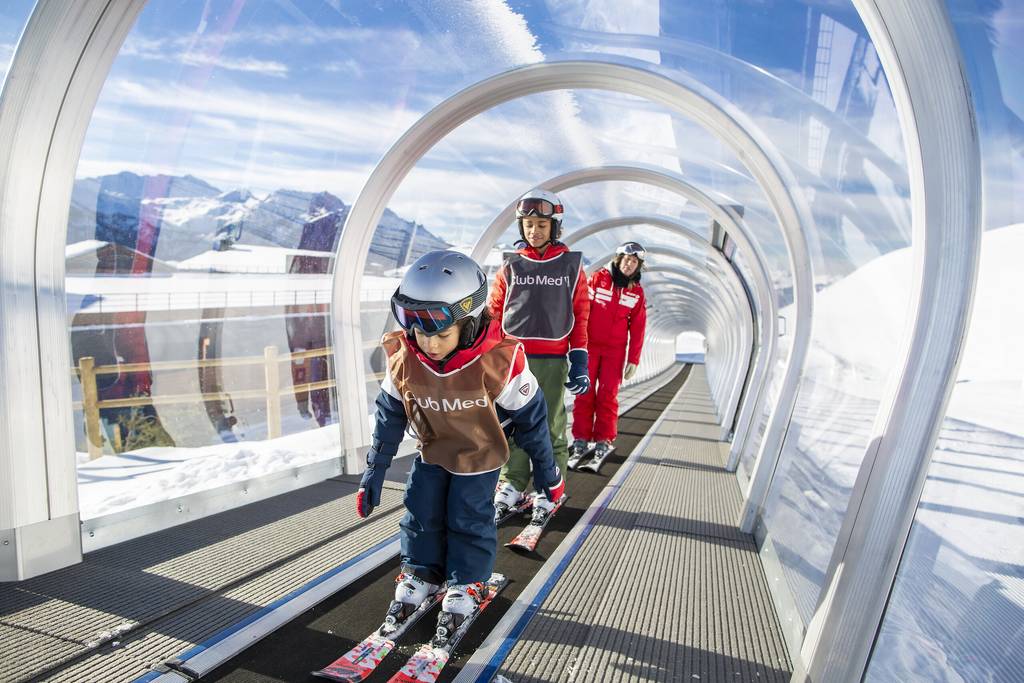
430	319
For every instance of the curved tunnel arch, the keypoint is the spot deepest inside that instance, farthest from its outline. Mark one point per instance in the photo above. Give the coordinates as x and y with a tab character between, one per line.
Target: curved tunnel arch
719	209
920	58
727	309
683	95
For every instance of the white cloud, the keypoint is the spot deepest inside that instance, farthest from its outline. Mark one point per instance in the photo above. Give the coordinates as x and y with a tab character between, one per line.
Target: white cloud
295	118
613	17
184	50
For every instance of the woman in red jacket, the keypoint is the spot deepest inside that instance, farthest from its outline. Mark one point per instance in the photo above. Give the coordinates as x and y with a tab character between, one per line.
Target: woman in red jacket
618	316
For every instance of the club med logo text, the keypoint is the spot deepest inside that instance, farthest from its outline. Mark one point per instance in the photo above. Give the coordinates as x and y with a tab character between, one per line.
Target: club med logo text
545	280
445	405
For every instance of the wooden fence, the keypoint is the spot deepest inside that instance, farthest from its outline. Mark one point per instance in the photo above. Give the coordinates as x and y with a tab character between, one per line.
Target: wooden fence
271	390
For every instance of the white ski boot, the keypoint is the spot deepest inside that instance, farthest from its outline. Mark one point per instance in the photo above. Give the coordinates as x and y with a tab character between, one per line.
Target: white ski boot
505	498
410	592
460	600
542	507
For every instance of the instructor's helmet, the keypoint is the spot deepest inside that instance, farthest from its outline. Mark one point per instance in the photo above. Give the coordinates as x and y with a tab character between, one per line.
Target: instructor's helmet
438	290
632	249
544	204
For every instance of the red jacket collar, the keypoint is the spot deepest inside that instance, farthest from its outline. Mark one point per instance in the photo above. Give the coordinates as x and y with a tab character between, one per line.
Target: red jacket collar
462	357
553	250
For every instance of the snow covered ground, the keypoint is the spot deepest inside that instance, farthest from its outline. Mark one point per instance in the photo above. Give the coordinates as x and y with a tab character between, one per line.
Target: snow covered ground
989	392
117	482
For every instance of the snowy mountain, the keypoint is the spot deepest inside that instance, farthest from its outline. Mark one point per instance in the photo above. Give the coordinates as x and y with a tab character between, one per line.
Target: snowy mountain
173	218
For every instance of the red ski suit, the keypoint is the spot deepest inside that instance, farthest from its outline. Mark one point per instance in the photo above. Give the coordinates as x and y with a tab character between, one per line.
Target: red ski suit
617	315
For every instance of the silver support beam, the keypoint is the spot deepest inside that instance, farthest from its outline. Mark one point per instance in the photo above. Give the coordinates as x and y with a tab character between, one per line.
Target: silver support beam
48	97
680	94
919	51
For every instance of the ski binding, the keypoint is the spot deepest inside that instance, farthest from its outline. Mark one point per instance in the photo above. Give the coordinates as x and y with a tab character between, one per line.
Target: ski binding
529	536
576	457
503	513
595	462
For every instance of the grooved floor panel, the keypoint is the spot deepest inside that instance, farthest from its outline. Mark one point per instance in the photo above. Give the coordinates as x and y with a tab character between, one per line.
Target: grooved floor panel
130	606
665	588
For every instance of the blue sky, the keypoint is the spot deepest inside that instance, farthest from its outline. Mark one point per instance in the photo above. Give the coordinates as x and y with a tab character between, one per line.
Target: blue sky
309	94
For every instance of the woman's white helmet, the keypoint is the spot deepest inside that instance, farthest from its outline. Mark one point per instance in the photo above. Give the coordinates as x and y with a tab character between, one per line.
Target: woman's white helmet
544	204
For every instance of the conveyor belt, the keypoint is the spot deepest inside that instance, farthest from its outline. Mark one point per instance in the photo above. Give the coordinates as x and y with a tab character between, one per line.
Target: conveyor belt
128	608
662	587
323	633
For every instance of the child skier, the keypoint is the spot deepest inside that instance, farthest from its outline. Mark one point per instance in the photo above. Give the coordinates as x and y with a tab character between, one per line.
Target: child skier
540	296
465	387
618	317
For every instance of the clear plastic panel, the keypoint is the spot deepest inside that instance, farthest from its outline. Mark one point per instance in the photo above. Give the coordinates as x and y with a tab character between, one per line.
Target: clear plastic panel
847	156
956	612
212	187
14	15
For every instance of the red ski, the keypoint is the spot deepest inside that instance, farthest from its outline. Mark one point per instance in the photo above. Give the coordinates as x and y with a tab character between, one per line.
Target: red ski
426	664
362	660
528	537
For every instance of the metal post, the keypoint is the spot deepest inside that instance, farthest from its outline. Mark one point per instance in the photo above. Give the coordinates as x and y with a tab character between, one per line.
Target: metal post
273	392
90	406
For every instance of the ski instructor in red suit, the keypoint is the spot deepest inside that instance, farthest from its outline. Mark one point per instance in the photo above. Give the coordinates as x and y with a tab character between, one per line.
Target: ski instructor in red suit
618	317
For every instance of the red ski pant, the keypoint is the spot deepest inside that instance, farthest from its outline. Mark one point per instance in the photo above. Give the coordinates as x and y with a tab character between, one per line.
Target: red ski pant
595	414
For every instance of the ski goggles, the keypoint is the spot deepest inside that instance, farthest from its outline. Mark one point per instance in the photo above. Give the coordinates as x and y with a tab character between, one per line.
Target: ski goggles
535	206
433	316
632	249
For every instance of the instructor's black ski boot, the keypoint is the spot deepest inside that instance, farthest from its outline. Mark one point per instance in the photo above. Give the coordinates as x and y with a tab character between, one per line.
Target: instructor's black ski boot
577	452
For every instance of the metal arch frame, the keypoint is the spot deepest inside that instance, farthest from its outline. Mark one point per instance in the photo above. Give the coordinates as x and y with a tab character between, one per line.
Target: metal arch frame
723	343
55	78
680	94
918	48
728	392
696	308
42	120
716	319
718	208
835	123
759	350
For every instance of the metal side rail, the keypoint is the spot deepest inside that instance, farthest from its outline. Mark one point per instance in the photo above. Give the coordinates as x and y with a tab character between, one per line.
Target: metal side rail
128	608
655	583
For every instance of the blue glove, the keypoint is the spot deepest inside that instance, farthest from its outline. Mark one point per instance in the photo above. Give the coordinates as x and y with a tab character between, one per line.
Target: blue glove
370	486
579	380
